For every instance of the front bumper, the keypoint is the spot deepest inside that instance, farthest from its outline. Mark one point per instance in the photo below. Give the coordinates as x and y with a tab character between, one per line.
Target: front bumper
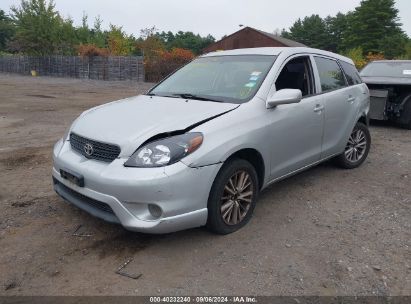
123	195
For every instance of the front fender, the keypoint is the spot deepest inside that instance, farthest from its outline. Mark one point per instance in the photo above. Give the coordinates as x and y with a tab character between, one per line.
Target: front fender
243	128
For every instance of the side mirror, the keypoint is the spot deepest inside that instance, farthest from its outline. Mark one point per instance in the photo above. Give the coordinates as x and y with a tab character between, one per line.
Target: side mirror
284	96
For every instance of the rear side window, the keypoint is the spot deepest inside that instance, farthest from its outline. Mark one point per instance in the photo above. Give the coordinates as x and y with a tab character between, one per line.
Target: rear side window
351	73
331	76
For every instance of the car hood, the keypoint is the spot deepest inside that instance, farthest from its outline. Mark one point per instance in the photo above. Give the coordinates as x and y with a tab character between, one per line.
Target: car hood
130	122
387	80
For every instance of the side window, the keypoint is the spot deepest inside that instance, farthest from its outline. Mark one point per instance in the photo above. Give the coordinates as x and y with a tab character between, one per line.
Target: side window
351	73
331	76
297	74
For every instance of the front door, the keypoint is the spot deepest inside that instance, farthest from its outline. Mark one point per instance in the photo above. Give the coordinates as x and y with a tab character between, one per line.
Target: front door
297	129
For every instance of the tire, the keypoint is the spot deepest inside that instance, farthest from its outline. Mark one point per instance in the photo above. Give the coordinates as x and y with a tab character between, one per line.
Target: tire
357	148
407	115
227	203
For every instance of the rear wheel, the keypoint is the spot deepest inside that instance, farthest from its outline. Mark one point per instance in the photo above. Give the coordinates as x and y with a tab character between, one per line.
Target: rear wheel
233	197
357	148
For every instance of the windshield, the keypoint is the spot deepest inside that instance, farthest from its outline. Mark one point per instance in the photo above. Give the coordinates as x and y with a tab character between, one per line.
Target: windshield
233	79
387	69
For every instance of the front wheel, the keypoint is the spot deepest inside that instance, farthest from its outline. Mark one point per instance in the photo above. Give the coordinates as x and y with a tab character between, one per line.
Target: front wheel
357	148
232	197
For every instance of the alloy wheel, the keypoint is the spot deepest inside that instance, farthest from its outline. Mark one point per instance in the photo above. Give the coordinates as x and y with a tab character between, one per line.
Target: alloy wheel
356	146
237	197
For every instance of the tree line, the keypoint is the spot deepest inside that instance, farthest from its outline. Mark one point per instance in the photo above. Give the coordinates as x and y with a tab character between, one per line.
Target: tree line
35	27
371	30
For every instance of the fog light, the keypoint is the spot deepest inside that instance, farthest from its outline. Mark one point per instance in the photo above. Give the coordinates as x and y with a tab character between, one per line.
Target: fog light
155	210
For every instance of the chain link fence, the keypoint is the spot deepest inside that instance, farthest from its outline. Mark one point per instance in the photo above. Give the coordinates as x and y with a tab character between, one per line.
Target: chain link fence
99	68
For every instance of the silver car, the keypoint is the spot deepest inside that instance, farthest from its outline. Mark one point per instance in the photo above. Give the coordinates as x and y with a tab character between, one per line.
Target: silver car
197	149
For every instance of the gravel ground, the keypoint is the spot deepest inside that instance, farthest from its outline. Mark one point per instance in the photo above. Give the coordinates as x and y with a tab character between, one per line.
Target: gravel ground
326	231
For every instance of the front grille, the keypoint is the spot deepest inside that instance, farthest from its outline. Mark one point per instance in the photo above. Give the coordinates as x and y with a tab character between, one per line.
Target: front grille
99	151
85	199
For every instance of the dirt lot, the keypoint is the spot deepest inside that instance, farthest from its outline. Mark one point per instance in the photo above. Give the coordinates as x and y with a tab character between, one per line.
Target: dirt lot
326	231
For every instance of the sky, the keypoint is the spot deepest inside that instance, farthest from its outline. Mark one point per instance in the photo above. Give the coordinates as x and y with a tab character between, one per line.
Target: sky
215	17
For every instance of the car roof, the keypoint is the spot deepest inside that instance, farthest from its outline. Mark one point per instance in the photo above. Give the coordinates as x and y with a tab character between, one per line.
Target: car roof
275	51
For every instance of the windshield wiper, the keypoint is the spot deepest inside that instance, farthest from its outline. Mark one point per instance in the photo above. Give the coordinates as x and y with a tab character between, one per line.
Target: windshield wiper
186	96
196	97
161	95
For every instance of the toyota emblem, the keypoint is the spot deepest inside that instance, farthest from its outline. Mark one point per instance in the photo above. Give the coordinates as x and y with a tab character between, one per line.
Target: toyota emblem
88	149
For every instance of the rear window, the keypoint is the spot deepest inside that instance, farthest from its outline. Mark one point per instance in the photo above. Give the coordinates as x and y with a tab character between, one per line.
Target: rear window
388	69
351	73
331	76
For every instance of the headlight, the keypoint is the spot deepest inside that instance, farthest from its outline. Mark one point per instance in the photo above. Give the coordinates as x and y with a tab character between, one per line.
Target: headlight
165	151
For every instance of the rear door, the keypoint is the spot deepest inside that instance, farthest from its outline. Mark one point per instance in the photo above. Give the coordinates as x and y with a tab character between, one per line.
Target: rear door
340	102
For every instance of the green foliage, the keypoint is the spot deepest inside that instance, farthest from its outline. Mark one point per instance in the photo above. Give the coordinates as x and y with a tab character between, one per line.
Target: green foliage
119	43
66	37
91	36
393	46
35	27
310	31
337	27
357	55
407	53
83	32
149	44
185	40
6	30
371	23
152	41
98	36
373	26
38	26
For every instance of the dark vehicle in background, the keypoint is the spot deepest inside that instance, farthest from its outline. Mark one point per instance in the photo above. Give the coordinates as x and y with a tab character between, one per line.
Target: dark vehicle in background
389	82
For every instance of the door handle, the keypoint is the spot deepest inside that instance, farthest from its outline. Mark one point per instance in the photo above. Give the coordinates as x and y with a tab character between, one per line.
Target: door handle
351	99
318	108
